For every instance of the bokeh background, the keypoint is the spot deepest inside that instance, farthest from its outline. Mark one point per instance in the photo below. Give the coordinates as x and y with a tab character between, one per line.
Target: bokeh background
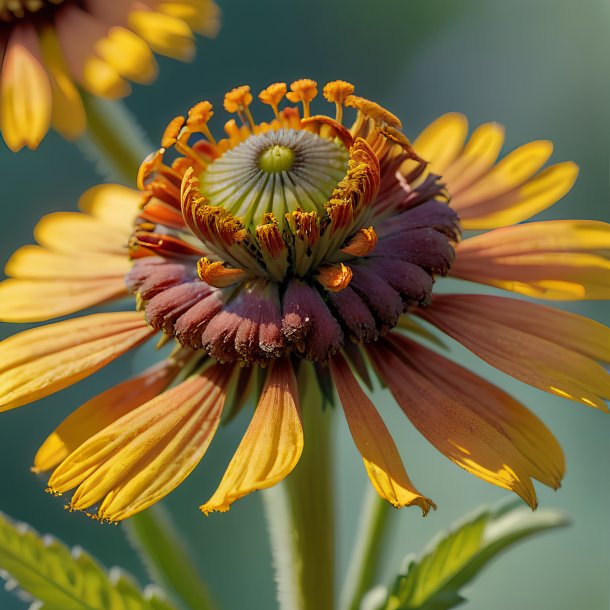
540	68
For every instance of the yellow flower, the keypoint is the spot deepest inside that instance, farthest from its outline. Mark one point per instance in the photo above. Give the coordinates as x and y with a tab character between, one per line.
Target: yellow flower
50	48
296	251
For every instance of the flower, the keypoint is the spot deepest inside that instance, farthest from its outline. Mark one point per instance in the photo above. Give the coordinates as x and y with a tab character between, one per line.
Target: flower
50	48
299	251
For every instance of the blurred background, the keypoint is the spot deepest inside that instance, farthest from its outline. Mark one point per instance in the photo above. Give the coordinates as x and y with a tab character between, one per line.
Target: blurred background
541	69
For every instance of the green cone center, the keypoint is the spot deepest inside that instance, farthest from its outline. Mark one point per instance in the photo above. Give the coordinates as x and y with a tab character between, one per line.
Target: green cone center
275	172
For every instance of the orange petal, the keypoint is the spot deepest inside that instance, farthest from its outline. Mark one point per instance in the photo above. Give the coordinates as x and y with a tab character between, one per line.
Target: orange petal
455	422
100	412
74	232
559	259
25	91
536	351
142	456
374	442
40	300
272	444
34	262
114	205
41	361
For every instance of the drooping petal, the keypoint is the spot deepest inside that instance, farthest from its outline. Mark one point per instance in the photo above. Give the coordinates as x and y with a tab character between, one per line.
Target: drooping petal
203	16
551	350
142	456
101	411
25	91
272	444
41	361
113	204
68	110
557	259
374	442
40	300
455	425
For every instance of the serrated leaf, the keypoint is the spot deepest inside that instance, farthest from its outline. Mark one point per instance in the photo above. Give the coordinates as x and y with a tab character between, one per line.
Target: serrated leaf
60	579
434	581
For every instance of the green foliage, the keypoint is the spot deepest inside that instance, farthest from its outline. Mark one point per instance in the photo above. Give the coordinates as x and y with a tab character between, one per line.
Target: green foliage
433	581
59	579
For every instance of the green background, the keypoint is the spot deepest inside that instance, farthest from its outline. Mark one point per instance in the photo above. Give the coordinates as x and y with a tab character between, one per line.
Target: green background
541	68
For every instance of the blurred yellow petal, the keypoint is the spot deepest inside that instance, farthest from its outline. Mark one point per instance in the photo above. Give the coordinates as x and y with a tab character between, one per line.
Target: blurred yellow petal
68	111
203	16
165	34
548	187
34	262
532	353
39	362
376	446
441	142
142	456
478	156
72	232
100	78
101	411
272	444
559	259
114	205
128	54
510	173
40	300
25	91
457	424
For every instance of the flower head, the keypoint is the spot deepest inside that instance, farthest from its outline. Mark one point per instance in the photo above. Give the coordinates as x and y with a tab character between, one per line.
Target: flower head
51	48
302	251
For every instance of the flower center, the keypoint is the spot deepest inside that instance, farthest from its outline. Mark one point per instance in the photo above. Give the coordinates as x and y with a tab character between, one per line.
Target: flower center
14	10
275	172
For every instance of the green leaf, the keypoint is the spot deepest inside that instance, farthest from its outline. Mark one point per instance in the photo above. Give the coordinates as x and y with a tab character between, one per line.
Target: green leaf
433	581
44	569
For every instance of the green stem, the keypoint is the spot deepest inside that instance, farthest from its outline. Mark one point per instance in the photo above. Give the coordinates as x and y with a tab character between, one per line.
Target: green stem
300	512
114	139
165	555
366	557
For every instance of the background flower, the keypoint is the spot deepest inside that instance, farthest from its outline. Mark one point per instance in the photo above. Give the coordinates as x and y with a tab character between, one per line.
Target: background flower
520	64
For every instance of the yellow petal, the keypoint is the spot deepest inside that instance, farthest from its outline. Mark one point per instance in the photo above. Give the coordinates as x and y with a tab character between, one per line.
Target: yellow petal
39	300
68	110
34	262
142	456
272	444
114	205
441	142
74	232
560	259
478	156
456	421
165	34
128	54
536	356
510	173
548	187
202	16
25	91
100	412
41	361
374	442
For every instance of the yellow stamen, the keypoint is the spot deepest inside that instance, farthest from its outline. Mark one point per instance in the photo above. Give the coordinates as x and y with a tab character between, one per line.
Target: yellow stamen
198	118
237	100
373	110
362	243
303	90
272	96
216	274
170	135
337	91
334	277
